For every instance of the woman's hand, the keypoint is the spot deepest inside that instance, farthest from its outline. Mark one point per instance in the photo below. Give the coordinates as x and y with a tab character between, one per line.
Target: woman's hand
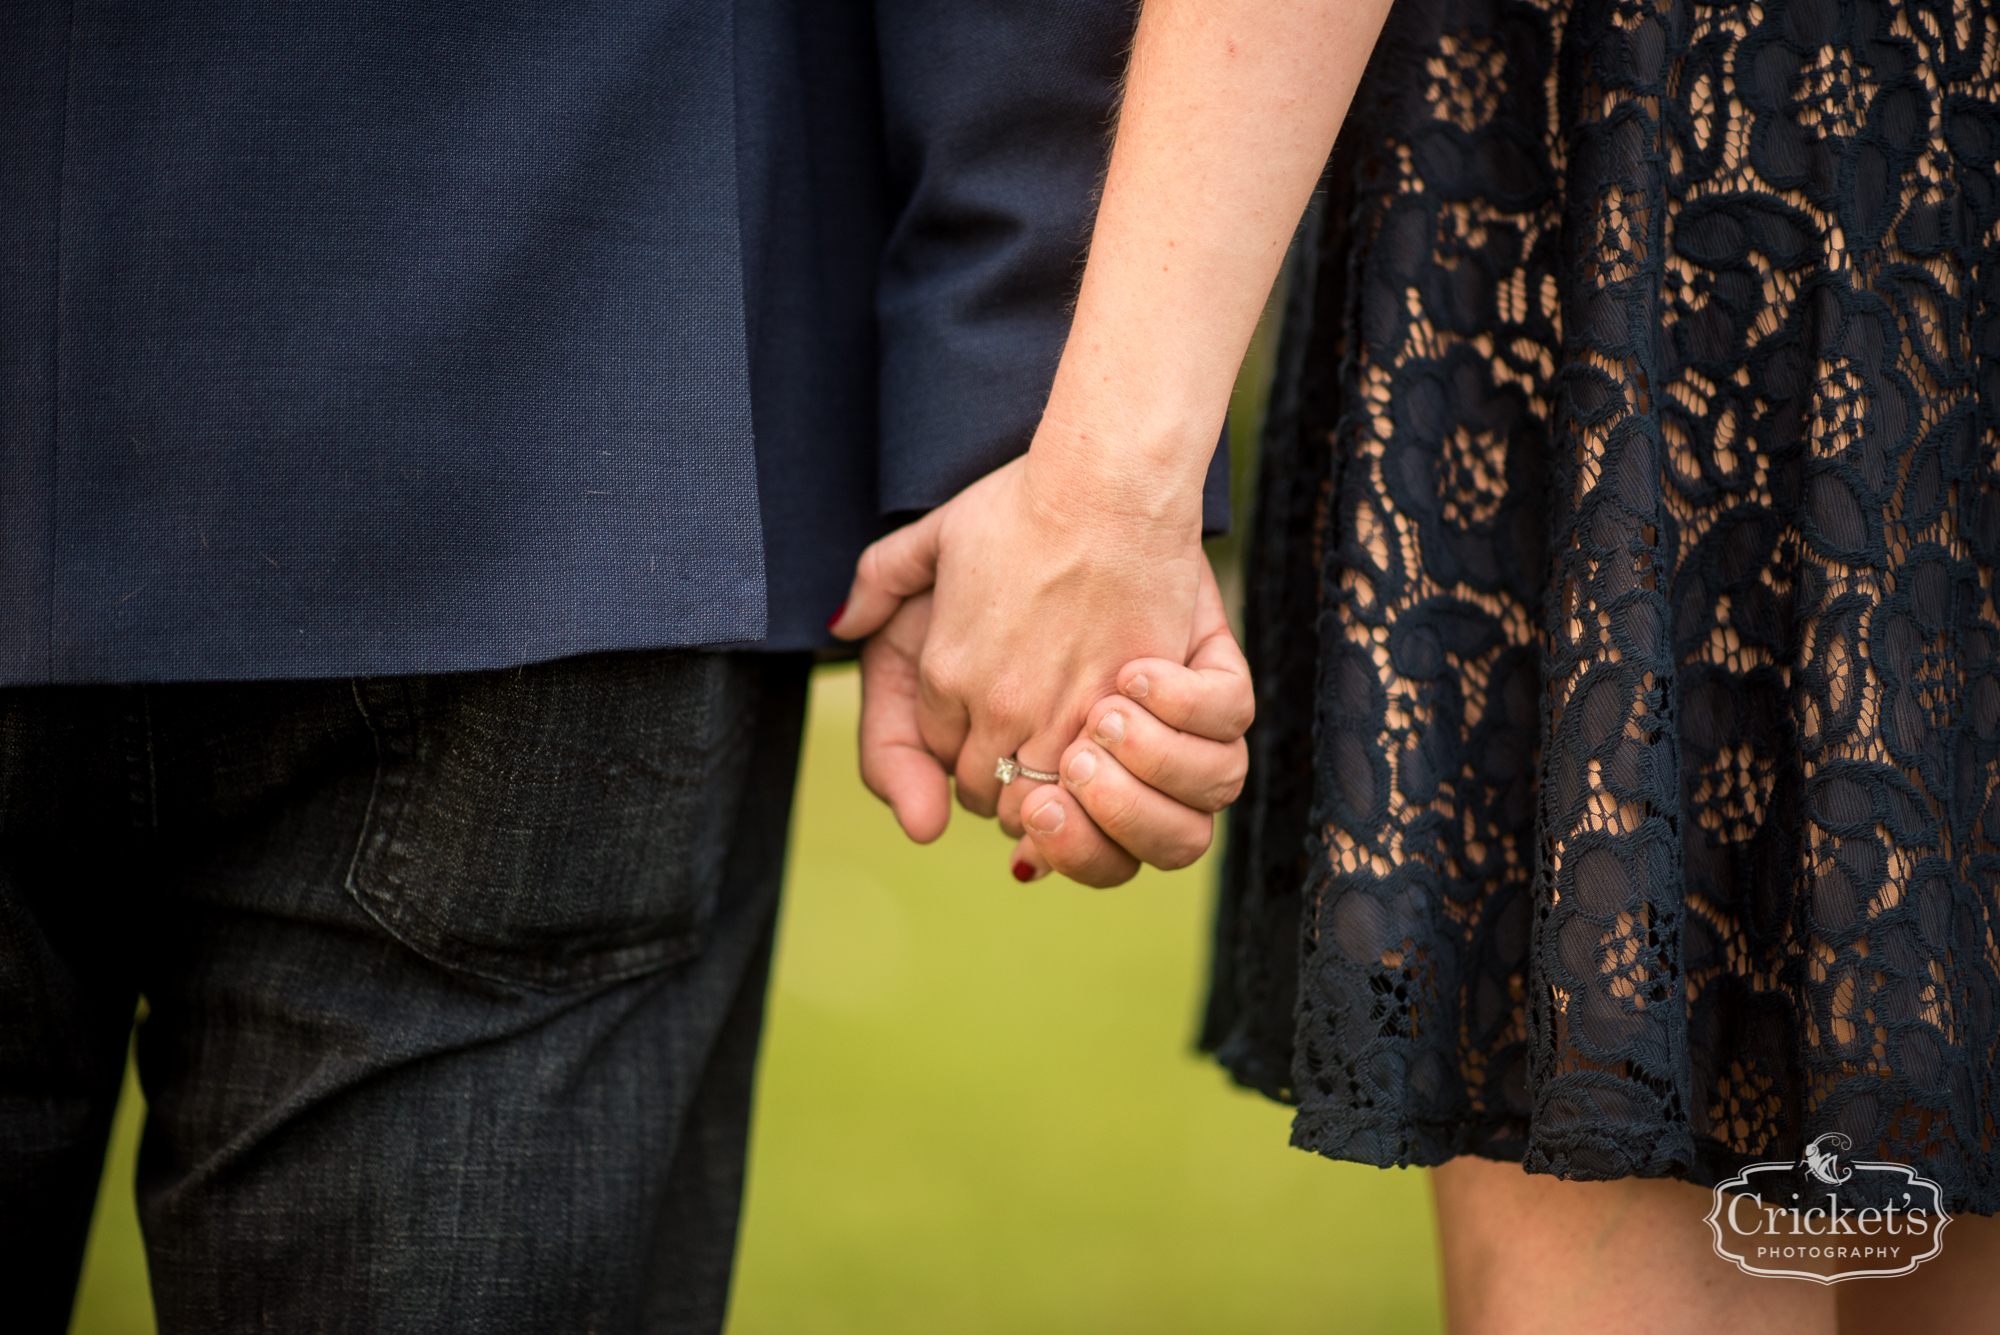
1053	572
1045	585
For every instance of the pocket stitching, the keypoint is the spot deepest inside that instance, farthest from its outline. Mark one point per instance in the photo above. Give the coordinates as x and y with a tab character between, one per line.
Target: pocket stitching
378	857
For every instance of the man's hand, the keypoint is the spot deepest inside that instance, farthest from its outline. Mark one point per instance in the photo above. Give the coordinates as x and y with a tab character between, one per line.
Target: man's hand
895	764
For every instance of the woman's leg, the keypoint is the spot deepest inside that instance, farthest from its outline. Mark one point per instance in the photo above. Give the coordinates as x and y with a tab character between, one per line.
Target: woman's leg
1528	1253
1958	1292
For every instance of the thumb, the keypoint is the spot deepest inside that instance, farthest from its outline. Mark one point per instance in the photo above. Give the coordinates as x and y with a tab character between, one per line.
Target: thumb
890	570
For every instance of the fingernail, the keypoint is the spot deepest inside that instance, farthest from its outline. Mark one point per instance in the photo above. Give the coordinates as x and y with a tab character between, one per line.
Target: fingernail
1024	871
1138	686
1110	729
838	612
1083	768
1049	819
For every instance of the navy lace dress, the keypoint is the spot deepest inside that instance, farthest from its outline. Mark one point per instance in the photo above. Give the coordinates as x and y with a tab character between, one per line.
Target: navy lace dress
1625	793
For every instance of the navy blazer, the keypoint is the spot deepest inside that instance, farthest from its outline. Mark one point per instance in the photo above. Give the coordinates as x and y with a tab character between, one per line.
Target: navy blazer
379	336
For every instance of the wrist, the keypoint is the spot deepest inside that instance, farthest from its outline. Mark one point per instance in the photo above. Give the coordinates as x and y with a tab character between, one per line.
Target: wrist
1132	477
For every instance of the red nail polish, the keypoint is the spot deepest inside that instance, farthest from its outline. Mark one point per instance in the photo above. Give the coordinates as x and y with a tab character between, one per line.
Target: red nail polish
838	612
1024	871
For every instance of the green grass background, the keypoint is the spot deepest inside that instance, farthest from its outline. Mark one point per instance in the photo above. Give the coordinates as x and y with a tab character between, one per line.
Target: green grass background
978	1111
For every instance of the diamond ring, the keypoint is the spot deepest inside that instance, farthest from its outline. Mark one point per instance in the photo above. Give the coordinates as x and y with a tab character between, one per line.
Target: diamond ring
1008	767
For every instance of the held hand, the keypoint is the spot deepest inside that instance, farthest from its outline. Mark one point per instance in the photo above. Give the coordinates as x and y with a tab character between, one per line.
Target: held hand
1152	766
1044	588
1167	753
898	769
894	764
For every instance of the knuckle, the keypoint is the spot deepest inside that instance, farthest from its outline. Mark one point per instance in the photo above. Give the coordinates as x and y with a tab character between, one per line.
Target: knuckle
874	763
1117	812
1102	873
1230	786
1186	850
974	800
937	665
868	570
1004	715
871	779
1000	701
929	675
892	564
937	692
1069	858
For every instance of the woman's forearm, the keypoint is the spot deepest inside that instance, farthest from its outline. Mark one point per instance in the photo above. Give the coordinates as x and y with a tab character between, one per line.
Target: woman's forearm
1056	570
1230	110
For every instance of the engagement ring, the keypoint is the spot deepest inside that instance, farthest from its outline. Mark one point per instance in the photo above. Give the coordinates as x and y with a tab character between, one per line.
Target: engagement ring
1008	767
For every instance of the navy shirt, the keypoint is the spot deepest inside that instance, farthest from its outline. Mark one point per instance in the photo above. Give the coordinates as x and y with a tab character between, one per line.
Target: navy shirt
357	338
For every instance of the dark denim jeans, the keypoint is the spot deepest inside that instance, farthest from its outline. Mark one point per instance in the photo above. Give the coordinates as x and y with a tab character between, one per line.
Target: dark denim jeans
454	988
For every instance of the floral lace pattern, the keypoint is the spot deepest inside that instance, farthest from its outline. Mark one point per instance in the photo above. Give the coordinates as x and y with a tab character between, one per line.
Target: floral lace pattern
1633	453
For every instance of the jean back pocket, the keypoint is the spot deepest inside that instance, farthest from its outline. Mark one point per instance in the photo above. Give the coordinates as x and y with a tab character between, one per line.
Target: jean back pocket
559	824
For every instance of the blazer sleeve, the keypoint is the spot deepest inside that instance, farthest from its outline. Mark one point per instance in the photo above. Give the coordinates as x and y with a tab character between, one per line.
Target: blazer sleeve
999	119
